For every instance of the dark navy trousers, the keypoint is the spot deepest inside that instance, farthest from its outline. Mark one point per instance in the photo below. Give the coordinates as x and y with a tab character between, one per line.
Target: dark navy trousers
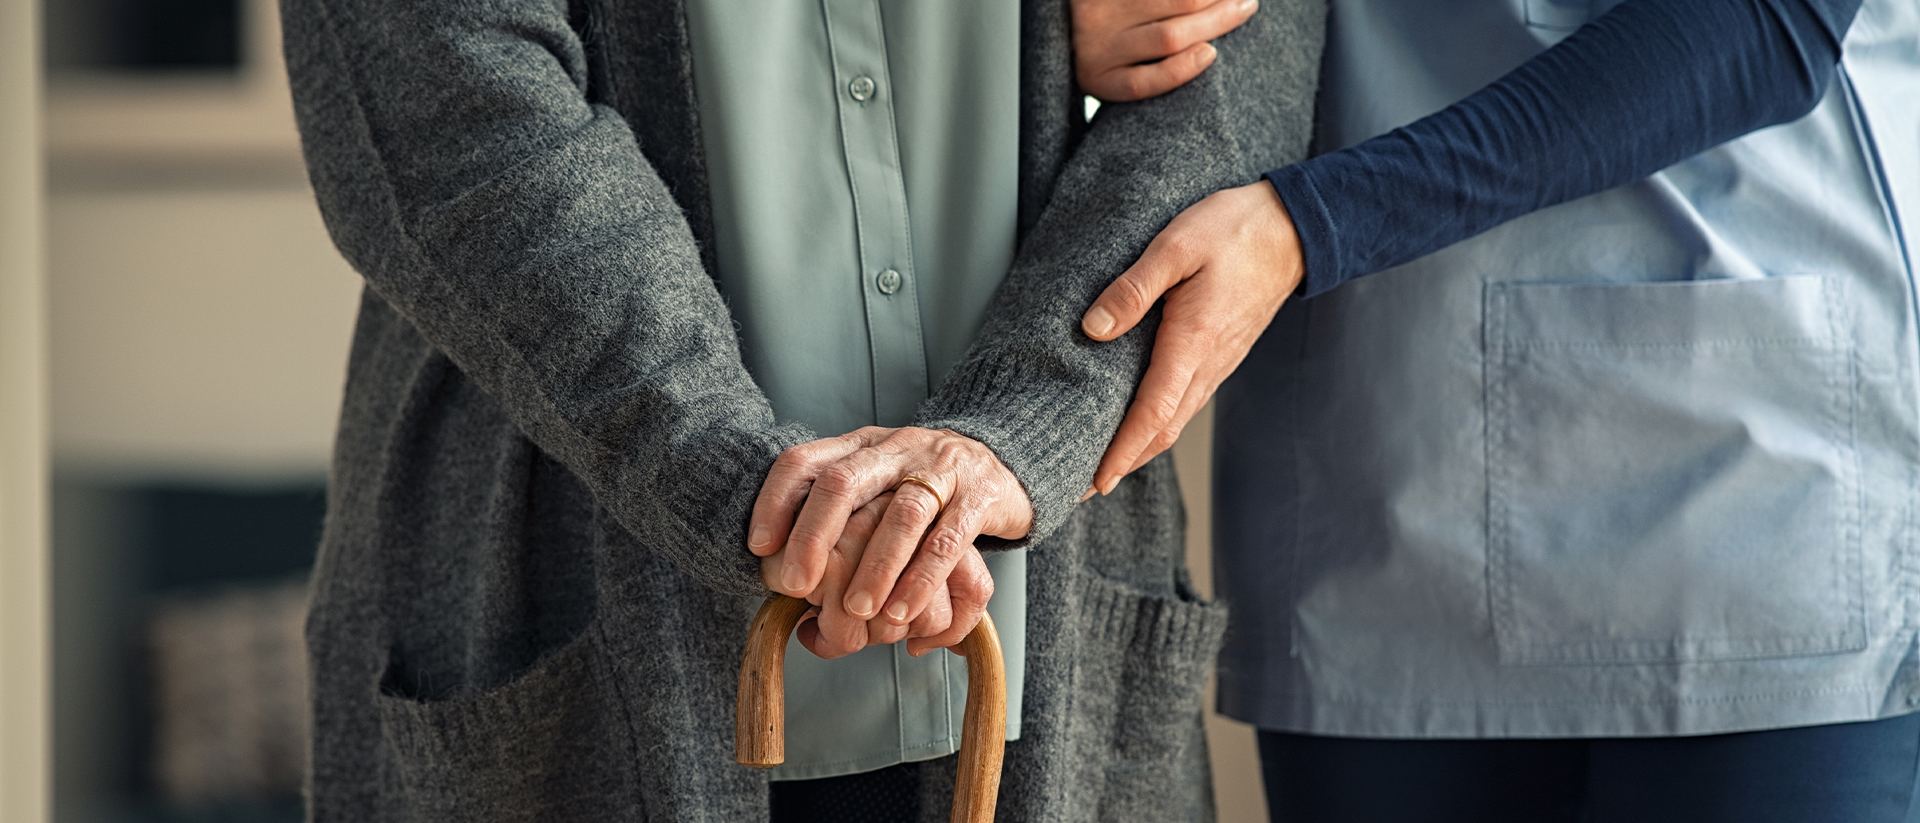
1842	773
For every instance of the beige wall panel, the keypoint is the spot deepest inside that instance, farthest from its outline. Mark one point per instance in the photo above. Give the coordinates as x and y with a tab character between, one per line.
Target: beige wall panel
23	468
198	331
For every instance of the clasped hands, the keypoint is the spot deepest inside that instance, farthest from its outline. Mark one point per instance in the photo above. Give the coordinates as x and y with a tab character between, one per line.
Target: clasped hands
876	529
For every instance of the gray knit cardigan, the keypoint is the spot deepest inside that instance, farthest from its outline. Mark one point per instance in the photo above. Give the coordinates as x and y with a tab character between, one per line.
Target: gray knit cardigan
532	590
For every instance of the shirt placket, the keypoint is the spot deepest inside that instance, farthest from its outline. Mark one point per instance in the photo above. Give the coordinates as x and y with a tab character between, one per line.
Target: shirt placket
889	288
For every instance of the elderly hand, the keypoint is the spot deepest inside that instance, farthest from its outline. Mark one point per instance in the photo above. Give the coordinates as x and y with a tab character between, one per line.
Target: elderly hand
1134	49
910	558
829	631
1225	265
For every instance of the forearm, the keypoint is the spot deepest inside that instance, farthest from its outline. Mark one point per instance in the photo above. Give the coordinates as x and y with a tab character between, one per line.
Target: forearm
1646	85
464	174
1035	389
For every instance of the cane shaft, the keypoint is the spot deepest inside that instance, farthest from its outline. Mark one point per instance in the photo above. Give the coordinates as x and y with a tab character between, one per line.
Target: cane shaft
759	729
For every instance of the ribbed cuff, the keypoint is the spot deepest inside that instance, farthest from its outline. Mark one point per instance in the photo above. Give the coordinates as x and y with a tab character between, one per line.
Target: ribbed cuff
1051	438
1313	223
707	488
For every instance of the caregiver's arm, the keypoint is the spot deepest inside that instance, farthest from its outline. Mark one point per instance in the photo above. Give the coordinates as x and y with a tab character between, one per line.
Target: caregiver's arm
1646	85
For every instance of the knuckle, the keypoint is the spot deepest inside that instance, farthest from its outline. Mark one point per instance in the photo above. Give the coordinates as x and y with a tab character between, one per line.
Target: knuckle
1168	38
1161	408
837	479
793	459
1134	293
1134	85
922	577
943	545
916	508
953	451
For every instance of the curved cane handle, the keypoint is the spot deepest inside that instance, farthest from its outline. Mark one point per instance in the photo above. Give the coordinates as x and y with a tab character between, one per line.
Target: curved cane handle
760	721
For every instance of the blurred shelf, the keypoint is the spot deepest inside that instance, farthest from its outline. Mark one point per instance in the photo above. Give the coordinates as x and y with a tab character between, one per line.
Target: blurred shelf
176	118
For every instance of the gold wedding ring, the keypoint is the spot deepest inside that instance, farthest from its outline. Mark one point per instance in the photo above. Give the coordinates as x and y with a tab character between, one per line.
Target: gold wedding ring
922	483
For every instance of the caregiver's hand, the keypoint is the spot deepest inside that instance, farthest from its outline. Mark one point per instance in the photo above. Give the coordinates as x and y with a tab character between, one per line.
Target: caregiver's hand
814	490
1225	265
1134	49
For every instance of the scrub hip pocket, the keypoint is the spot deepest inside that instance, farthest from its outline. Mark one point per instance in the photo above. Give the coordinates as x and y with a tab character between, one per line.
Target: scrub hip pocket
1671	472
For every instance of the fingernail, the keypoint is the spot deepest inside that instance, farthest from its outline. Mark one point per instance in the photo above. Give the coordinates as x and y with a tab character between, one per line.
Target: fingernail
897	612
793	578
1249	5
1091	491
1098	321
861	605
760	537
1108	487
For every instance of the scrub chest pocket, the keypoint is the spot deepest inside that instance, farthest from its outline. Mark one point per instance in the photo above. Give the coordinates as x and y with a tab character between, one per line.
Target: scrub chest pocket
1671	472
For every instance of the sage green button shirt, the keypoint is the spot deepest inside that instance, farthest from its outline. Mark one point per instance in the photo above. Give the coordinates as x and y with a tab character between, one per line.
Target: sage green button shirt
862	156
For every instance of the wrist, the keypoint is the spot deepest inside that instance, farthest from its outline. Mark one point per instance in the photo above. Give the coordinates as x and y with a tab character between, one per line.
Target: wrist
1309	227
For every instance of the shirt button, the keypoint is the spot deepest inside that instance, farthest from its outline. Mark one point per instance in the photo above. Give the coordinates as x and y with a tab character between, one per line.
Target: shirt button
888	281
861	88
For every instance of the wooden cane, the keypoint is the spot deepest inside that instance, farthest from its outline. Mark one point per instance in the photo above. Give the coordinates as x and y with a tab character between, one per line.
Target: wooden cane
760	722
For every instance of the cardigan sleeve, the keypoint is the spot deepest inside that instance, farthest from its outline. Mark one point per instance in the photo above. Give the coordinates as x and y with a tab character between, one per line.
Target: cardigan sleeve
1045	397
463	172
1646	85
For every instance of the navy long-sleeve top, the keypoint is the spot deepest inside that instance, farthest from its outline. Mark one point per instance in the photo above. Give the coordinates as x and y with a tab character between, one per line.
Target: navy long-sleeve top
1644	86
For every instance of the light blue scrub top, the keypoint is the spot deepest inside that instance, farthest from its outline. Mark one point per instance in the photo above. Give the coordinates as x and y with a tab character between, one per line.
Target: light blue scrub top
1644	463
863	159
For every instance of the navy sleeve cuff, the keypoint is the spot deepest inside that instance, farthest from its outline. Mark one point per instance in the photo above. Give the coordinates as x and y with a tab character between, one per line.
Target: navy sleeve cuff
1313	223
1636	90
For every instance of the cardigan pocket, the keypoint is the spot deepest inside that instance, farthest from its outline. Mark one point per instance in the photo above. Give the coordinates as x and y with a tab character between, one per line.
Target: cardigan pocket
1143	669
535	749
1671	472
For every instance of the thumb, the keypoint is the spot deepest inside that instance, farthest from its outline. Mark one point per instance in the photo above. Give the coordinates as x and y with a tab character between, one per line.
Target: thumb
1120	307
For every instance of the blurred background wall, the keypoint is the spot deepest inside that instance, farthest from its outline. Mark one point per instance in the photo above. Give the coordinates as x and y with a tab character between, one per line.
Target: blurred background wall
23	574
199	320
198	326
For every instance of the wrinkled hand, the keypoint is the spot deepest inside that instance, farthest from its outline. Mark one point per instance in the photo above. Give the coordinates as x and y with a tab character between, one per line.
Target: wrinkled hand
1224	265
903	566
1134	49
829	631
